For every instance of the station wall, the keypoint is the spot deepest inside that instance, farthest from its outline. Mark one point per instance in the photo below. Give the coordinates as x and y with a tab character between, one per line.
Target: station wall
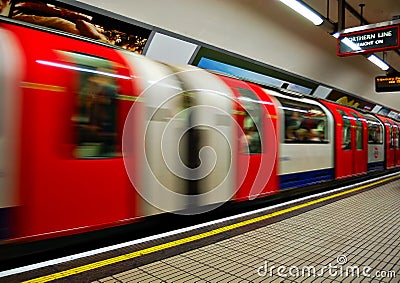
263	30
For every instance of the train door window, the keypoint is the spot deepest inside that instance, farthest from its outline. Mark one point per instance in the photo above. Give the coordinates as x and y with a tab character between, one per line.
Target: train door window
396	136
252	122
375	132
359	131
95	115
304	123
346	131
391	136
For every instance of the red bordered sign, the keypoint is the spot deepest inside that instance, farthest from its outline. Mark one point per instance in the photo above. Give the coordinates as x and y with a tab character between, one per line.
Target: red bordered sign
369	41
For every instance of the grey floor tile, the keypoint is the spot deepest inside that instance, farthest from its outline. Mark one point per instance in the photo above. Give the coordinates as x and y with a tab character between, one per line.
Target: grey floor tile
356	227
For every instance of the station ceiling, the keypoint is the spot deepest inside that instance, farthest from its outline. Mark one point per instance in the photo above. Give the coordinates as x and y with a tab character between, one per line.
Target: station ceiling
378	11
373	12
268	32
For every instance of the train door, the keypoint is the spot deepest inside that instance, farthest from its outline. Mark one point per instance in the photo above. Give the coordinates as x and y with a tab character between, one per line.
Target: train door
256	138
5	190
389	142
210	139
157	120
396	143
390	153
345	142
10	80
270	142
351	148
360	148
376	148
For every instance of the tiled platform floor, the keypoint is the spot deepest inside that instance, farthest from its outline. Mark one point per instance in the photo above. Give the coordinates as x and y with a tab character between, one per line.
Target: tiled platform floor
333	242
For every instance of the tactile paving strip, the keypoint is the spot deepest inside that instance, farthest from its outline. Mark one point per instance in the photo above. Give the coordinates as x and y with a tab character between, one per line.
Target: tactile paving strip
355	239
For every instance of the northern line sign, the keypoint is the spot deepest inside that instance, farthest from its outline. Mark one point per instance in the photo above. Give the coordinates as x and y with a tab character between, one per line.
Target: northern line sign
369	41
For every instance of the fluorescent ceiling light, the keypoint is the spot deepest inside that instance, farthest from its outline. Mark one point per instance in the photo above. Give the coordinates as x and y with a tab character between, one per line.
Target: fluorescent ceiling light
373	58
351	44
379	62
304	11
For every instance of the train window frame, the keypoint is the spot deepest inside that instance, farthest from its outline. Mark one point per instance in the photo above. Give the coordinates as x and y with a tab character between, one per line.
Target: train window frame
397	138
252	141
346	130
95	115
311	126
359	132
391	136
375	132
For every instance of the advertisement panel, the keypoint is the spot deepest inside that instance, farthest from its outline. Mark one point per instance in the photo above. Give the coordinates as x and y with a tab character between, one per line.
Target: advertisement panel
70	19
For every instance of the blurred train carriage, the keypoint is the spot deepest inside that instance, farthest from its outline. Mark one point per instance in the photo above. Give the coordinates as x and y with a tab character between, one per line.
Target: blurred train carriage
92	136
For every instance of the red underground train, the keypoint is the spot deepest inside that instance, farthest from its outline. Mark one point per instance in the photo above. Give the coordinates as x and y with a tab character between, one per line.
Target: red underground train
92	136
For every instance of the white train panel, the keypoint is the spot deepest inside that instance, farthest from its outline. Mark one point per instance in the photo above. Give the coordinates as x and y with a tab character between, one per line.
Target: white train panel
296	158
11	72
306	137
159	125
211	109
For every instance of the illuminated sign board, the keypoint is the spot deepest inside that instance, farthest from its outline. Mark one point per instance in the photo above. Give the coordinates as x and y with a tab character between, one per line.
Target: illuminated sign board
368	41
387	83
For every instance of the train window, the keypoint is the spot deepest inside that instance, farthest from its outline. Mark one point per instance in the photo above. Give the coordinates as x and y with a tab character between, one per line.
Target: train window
375	132
359	131
304	123
346	131
252	122
95	115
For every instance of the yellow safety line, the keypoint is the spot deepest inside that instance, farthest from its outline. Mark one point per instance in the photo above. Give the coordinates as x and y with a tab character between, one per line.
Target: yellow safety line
179	242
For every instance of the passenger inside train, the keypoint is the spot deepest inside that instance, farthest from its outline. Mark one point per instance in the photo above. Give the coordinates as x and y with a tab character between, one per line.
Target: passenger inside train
309	126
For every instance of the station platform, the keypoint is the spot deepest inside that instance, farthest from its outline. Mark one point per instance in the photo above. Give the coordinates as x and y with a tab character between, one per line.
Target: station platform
347	235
